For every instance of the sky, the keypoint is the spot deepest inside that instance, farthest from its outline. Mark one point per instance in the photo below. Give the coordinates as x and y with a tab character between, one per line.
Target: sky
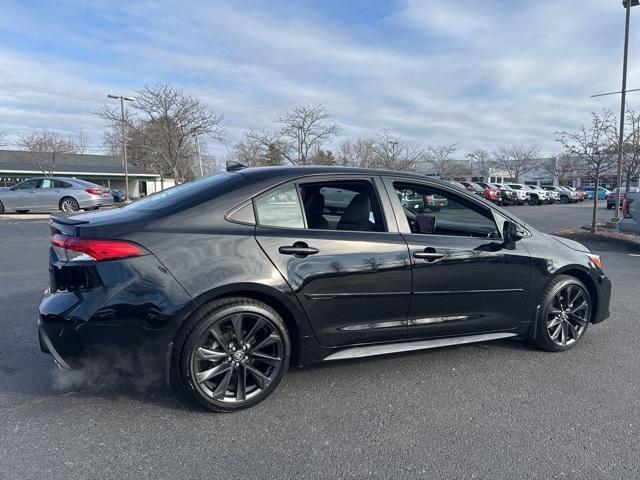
477	73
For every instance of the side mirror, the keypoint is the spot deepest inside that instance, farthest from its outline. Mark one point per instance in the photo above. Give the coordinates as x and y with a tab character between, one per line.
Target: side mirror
511	233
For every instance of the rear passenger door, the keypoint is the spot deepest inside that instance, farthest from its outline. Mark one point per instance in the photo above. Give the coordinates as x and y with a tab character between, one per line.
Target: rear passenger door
335	241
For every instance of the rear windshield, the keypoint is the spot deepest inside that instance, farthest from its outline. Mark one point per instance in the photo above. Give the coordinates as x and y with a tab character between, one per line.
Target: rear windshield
180	193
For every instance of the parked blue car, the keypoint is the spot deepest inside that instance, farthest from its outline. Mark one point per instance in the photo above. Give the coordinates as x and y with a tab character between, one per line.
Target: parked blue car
602	192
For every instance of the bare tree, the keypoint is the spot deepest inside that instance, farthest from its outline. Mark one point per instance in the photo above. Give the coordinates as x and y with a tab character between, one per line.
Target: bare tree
357	153
517	159
255	154
3	135
165	122
440	158
481	163
592	146
393	153
45	147
631	158
322	157
563	168
301	133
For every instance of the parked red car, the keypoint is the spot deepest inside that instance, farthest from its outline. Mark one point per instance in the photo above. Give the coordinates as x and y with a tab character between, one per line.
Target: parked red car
491	193
613	196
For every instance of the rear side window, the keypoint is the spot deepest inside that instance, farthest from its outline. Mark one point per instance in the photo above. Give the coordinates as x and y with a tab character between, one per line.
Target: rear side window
342	205
280	208
61	184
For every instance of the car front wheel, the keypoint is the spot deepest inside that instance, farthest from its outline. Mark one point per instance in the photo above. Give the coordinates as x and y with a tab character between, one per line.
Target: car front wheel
565	314
236	352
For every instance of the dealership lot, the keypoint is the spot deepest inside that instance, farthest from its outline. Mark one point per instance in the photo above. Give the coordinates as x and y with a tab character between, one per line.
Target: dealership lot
494	410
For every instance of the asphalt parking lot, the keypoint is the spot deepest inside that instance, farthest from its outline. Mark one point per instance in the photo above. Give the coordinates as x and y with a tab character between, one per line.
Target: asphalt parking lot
492	410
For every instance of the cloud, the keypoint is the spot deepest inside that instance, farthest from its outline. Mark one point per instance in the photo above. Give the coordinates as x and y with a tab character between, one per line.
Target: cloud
475	73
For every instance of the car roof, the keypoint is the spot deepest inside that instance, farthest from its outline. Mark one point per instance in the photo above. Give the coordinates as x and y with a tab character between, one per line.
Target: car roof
291	172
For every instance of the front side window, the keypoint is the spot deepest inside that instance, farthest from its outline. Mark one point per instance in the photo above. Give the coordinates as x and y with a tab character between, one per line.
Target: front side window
28	185
47	183
342	205
436	212
280	208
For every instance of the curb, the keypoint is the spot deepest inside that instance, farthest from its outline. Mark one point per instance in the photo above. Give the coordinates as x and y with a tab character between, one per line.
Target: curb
23	216
624	241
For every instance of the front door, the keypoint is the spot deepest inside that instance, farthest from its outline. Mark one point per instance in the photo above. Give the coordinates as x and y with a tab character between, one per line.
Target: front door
350	273
47	195
464	281
23	195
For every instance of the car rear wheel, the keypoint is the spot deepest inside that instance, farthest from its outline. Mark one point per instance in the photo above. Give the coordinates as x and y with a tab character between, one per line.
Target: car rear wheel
566	310
235	354
69	204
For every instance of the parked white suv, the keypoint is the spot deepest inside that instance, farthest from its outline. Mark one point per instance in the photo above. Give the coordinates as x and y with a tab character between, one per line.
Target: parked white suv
539	195
559	194
524	195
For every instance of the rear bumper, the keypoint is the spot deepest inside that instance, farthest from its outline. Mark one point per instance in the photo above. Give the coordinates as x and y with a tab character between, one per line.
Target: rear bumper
132	309
629	225
46	345
96	202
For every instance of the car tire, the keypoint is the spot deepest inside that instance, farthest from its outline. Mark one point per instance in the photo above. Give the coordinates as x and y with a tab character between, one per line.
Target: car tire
609	206
1	208
564	199
69	204
562	323
533	200
223	372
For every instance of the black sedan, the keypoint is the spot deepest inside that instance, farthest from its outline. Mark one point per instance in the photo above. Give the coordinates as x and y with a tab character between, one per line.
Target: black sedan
223	282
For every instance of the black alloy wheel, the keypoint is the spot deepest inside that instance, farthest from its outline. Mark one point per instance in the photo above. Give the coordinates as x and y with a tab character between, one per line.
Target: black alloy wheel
235	355
565	314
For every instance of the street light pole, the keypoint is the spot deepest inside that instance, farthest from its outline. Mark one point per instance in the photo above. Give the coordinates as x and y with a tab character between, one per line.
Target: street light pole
623	95
199	155
393	144
124	141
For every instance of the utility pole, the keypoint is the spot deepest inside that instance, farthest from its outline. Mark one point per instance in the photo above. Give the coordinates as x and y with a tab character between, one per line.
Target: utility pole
199	155
393	144
623	95
627	4
124	141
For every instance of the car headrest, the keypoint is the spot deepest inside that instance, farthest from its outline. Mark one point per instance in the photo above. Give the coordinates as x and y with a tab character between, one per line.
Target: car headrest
357	210
314	204
426	223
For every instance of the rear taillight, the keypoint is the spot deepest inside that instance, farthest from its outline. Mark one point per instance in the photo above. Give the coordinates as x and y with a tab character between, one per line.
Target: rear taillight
74	249
93	191
626	203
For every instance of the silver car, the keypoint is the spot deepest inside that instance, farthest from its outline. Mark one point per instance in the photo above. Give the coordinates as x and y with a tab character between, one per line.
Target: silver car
46	194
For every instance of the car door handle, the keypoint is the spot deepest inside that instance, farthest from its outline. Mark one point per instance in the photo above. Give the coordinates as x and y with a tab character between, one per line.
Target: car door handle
298	249
429	254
